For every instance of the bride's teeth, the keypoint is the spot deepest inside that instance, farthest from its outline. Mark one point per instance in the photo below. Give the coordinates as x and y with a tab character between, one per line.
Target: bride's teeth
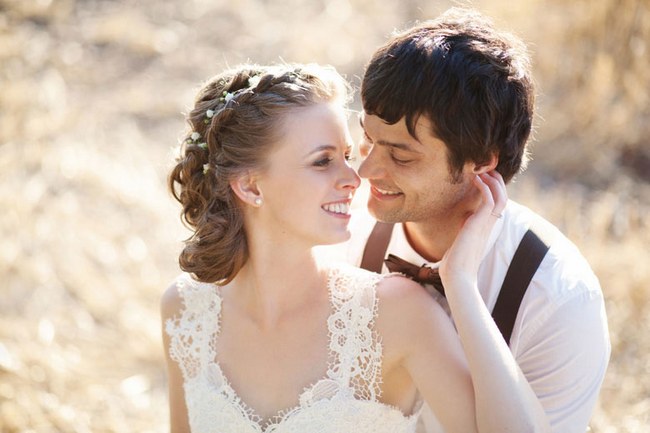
340	208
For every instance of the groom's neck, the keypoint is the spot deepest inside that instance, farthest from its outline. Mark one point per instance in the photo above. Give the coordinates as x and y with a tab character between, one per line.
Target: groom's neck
429	241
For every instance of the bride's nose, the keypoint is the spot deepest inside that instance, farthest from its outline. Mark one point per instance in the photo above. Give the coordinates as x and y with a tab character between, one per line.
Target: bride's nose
349	178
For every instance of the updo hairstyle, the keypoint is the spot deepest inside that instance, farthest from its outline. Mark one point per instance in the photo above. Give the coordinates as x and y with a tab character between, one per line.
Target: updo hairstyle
234	122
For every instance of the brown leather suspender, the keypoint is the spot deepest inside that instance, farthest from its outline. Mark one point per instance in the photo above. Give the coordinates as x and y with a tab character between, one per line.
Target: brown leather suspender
524	264
376	246
527	258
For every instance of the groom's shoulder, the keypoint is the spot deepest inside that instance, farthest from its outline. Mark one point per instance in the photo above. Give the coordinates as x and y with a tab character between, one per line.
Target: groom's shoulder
520	218
564	269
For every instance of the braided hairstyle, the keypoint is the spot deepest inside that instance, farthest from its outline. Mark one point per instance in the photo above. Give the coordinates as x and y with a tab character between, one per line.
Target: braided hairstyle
233	124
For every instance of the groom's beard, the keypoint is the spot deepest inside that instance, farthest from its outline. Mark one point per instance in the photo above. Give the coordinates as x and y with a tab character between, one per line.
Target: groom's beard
439	204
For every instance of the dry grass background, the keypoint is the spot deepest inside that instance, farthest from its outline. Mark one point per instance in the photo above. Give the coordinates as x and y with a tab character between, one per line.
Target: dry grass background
91	93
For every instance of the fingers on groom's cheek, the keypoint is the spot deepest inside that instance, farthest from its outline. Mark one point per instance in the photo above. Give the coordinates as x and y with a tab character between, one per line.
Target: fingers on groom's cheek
492	179
492	174
498	180
495	174
492	183
484	186
498	189
486	178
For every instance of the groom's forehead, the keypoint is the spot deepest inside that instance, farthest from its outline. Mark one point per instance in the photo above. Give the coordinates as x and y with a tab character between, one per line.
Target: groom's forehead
423	127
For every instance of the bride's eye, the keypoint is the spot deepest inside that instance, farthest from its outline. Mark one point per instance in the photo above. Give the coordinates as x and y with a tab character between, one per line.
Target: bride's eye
323	162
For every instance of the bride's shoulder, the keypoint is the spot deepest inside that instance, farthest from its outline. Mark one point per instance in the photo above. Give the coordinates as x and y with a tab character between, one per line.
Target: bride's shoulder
348	271
396	287
186	292
387	285
345	279
171	301
392	288
405	301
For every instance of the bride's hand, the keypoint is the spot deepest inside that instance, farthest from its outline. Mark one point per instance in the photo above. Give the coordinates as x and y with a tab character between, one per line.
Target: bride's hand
461	262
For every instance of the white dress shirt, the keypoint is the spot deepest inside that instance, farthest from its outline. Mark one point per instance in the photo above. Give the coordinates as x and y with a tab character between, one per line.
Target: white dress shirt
560	338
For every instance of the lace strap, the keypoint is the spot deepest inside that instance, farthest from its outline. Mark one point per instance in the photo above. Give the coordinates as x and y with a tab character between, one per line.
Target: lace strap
354	343
193	328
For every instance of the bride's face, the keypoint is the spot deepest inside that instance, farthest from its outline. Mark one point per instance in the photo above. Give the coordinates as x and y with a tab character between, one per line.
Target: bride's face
307	185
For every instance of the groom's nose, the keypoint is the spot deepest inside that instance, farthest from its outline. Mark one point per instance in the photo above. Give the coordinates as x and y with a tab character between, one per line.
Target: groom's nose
370	168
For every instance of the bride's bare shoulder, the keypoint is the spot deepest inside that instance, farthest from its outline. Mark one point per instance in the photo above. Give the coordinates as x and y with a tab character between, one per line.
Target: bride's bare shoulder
171	301
405	308
400	292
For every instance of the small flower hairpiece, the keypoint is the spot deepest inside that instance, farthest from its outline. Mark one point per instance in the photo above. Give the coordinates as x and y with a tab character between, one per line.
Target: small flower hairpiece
206	168
209	114
194	137
227	96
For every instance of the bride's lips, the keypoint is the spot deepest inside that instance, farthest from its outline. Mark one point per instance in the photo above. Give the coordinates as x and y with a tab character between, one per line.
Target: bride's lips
384	194
338	209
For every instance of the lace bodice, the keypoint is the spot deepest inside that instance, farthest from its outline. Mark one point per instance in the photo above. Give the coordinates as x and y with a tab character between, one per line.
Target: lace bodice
344	400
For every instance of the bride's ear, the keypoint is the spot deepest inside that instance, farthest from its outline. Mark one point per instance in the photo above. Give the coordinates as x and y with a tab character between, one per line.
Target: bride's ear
246	188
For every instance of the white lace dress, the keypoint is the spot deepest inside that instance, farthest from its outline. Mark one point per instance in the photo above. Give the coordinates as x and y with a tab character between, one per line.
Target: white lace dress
345	400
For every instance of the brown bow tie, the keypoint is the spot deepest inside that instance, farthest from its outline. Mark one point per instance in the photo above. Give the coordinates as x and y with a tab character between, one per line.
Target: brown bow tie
421	274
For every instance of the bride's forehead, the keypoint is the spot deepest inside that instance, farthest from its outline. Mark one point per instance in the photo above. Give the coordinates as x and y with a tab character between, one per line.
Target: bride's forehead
314	122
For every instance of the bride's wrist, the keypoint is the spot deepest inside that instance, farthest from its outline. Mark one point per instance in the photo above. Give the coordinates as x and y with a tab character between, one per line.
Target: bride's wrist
459	282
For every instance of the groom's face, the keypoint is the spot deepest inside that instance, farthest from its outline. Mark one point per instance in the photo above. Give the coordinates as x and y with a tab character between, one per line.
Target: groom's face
409	177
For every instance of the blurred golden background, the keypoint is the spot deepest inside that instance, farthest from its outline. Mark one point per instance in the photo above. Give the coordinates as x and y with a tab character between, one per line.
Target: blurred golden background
91	96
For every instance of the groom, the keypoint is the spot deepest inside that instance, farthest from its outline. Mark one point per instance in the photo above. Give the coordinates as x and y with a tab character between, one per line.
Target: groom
444	101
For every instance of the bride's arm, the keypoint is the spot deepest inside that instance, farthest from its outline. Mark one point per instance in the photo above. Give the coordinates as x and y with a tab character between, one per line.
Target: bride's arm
505	400
414	326
170	305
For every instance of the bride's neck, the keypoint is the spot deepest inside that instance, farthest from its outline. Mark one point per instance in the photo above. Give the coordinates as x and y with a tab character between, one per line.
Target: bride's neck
275	282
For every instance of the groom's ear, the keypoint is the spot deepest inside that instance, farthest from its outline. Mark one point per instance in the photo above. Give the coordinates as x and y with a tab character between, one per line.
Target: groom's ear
487	166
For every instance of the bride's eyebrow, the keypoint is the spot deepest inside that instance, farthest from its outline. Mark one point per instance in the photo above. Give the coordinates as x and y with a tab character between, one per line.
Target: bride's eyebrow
321	148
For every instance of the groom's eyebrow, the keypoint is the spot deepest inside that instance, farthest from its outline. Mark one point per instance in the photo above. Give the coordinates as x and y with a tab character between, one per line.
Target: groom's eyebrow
387	143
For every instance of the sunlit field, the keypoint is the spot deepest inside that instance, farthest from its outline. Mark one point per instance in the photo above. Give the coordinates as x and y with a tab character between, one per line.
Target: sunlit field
91	100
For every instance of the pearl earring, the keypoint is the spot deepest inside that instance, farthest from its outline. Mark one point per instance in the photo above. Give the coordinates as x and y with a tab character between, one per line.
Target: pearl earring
258	201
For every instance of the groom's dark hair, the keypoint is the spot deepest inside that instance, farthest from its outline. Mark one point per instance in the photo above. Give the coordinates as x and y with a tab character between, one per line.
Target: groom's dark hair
471	81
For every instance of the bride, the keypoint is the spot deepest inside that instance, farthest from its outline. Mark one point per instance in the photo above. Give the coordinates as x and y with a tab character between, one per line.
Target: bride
259	335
